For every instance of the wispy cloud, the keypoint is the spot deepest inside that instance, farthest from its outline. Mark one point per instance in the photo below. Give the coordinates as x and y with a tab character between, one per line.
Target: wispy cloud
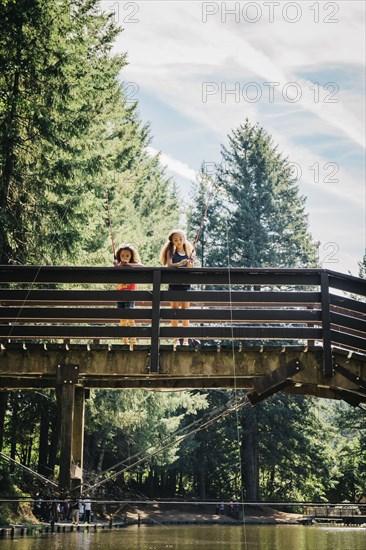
174	165
172	53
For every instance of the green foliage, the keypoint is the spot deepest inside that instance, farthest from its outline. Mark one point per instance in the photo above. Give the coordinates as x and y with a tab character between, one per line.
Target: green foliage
13	512
67	136
209	460
350	426
122	424
297	462
362	268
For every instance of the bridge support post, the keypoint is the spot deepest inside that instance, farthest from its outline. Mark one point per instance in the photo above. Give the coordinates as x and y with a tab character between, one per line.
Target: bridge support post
155	323
327	339
77	454
70	423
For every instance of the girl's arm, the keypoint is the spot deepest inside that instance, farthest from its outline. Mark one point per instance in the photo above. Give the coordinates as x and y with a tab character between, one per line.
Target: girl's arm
169	262
129	264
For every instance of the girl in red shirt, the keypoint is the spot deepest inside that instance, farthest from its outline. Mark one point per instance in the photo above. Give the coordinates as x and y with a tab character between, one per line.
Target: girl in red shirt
127	256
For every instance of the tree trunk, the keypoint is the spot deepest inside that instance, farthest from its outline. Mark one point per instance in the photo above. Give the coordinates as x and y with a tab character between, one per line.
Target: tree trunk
8	156
150	484
52	456
101	456
29	453
202	481
250	464
180	484
43	468
14	426
3	404
172	483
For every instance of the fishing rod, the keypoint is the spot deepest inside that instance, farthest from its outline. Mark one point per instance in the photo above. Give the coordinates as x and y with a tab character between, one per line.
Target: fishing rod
195	242
110	225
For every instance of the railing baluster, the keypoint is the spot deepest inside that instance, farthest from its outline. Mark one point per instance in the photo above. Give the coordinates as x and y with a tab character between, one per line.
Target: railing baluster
155	323
327	342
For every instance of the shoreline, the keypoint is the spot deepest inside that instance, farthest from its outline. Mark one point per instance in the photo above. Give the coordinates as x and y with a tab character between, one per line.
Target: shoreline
156	515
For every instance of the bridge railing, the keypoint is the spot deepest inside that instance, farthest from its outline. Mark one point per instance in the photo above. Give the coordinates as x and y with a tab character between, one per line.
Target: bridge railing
264	305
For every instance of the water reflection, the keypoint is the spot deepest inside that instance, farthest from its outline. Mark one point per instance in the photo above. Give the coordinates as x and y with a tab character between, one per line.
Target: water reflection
214	537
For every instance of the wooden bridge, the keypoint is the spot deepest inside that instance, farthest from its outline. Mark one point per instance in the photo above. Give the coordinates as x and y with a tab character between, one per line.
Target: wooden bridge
297	330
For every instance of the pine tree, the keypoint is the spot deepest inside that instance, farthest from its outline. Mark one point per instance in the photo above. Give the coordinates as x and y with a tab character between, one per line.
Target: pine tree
60	91
362	268
258	204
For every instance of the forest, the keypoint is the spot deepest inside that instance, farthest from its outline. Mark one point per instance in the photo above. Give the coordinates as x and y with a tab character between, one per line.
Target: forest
71	145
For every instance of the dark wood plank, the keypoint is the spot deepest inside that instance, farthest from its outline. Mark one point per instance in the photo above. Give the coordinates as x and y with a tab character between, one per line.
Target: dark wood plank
61	314
347	303
242	333
155	324
327	344
354	342
348	322
44	332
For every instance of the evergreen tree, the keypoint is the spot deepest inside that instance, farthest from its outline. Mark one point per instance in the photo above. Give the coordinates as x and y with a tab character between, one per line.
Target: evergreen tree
67	135
362	268
56	77
256	208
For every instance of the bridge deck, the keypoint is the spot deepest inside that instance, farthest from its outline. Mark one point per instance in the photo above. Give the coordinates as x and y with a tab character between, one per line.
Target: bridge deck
271	315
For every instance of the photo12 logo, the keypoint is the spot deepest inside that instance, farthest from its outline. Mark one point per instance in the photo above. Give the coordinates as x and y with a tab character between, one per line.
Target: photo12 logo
252	92
130	90
253	12
321	172
327	253
122	12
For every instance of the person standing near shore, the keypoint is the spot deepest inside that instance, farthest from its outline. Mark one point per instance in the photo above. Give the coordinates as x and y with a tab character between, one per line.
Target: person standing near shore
75	513
87	509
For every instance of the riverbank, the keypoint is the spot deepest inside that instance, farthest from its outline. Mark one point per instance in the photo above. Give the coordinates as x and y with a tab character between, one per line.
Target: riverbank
207	514
160	514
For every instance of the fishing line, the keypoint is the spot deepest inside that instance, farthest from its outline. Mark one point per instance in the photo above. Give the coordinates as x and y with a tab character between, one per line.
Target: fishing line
29	470
204	214
167	438
179	440
171	436
235	386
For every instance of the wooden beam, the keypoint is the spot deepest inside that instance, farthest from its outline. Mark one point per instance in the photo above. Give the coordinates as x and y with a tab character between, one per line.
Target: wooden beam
77	454
66	378
155	324
275	378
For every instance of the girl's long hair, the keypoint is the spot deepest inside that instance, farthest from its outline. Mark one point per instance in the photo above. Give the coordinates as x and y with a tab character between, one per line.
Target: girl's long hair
135	256
168	248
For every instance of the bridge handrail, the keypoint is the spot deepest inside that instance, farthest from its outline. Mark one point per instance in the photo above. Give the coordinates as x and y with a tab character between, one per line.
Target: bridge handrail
259	276
285	304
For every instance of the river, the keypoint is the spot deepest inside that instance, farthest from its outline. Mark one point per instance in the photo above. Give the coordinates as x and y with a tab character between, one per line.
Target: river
203	537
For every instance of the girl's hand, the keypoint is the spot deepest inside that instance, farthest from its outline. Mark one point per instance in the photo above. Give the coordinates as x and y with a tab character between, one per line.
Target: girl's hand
183	262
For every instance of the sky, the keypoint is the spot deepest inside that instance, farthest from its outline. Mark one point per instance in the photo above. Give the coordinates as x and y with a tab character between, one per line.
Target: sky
199	69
